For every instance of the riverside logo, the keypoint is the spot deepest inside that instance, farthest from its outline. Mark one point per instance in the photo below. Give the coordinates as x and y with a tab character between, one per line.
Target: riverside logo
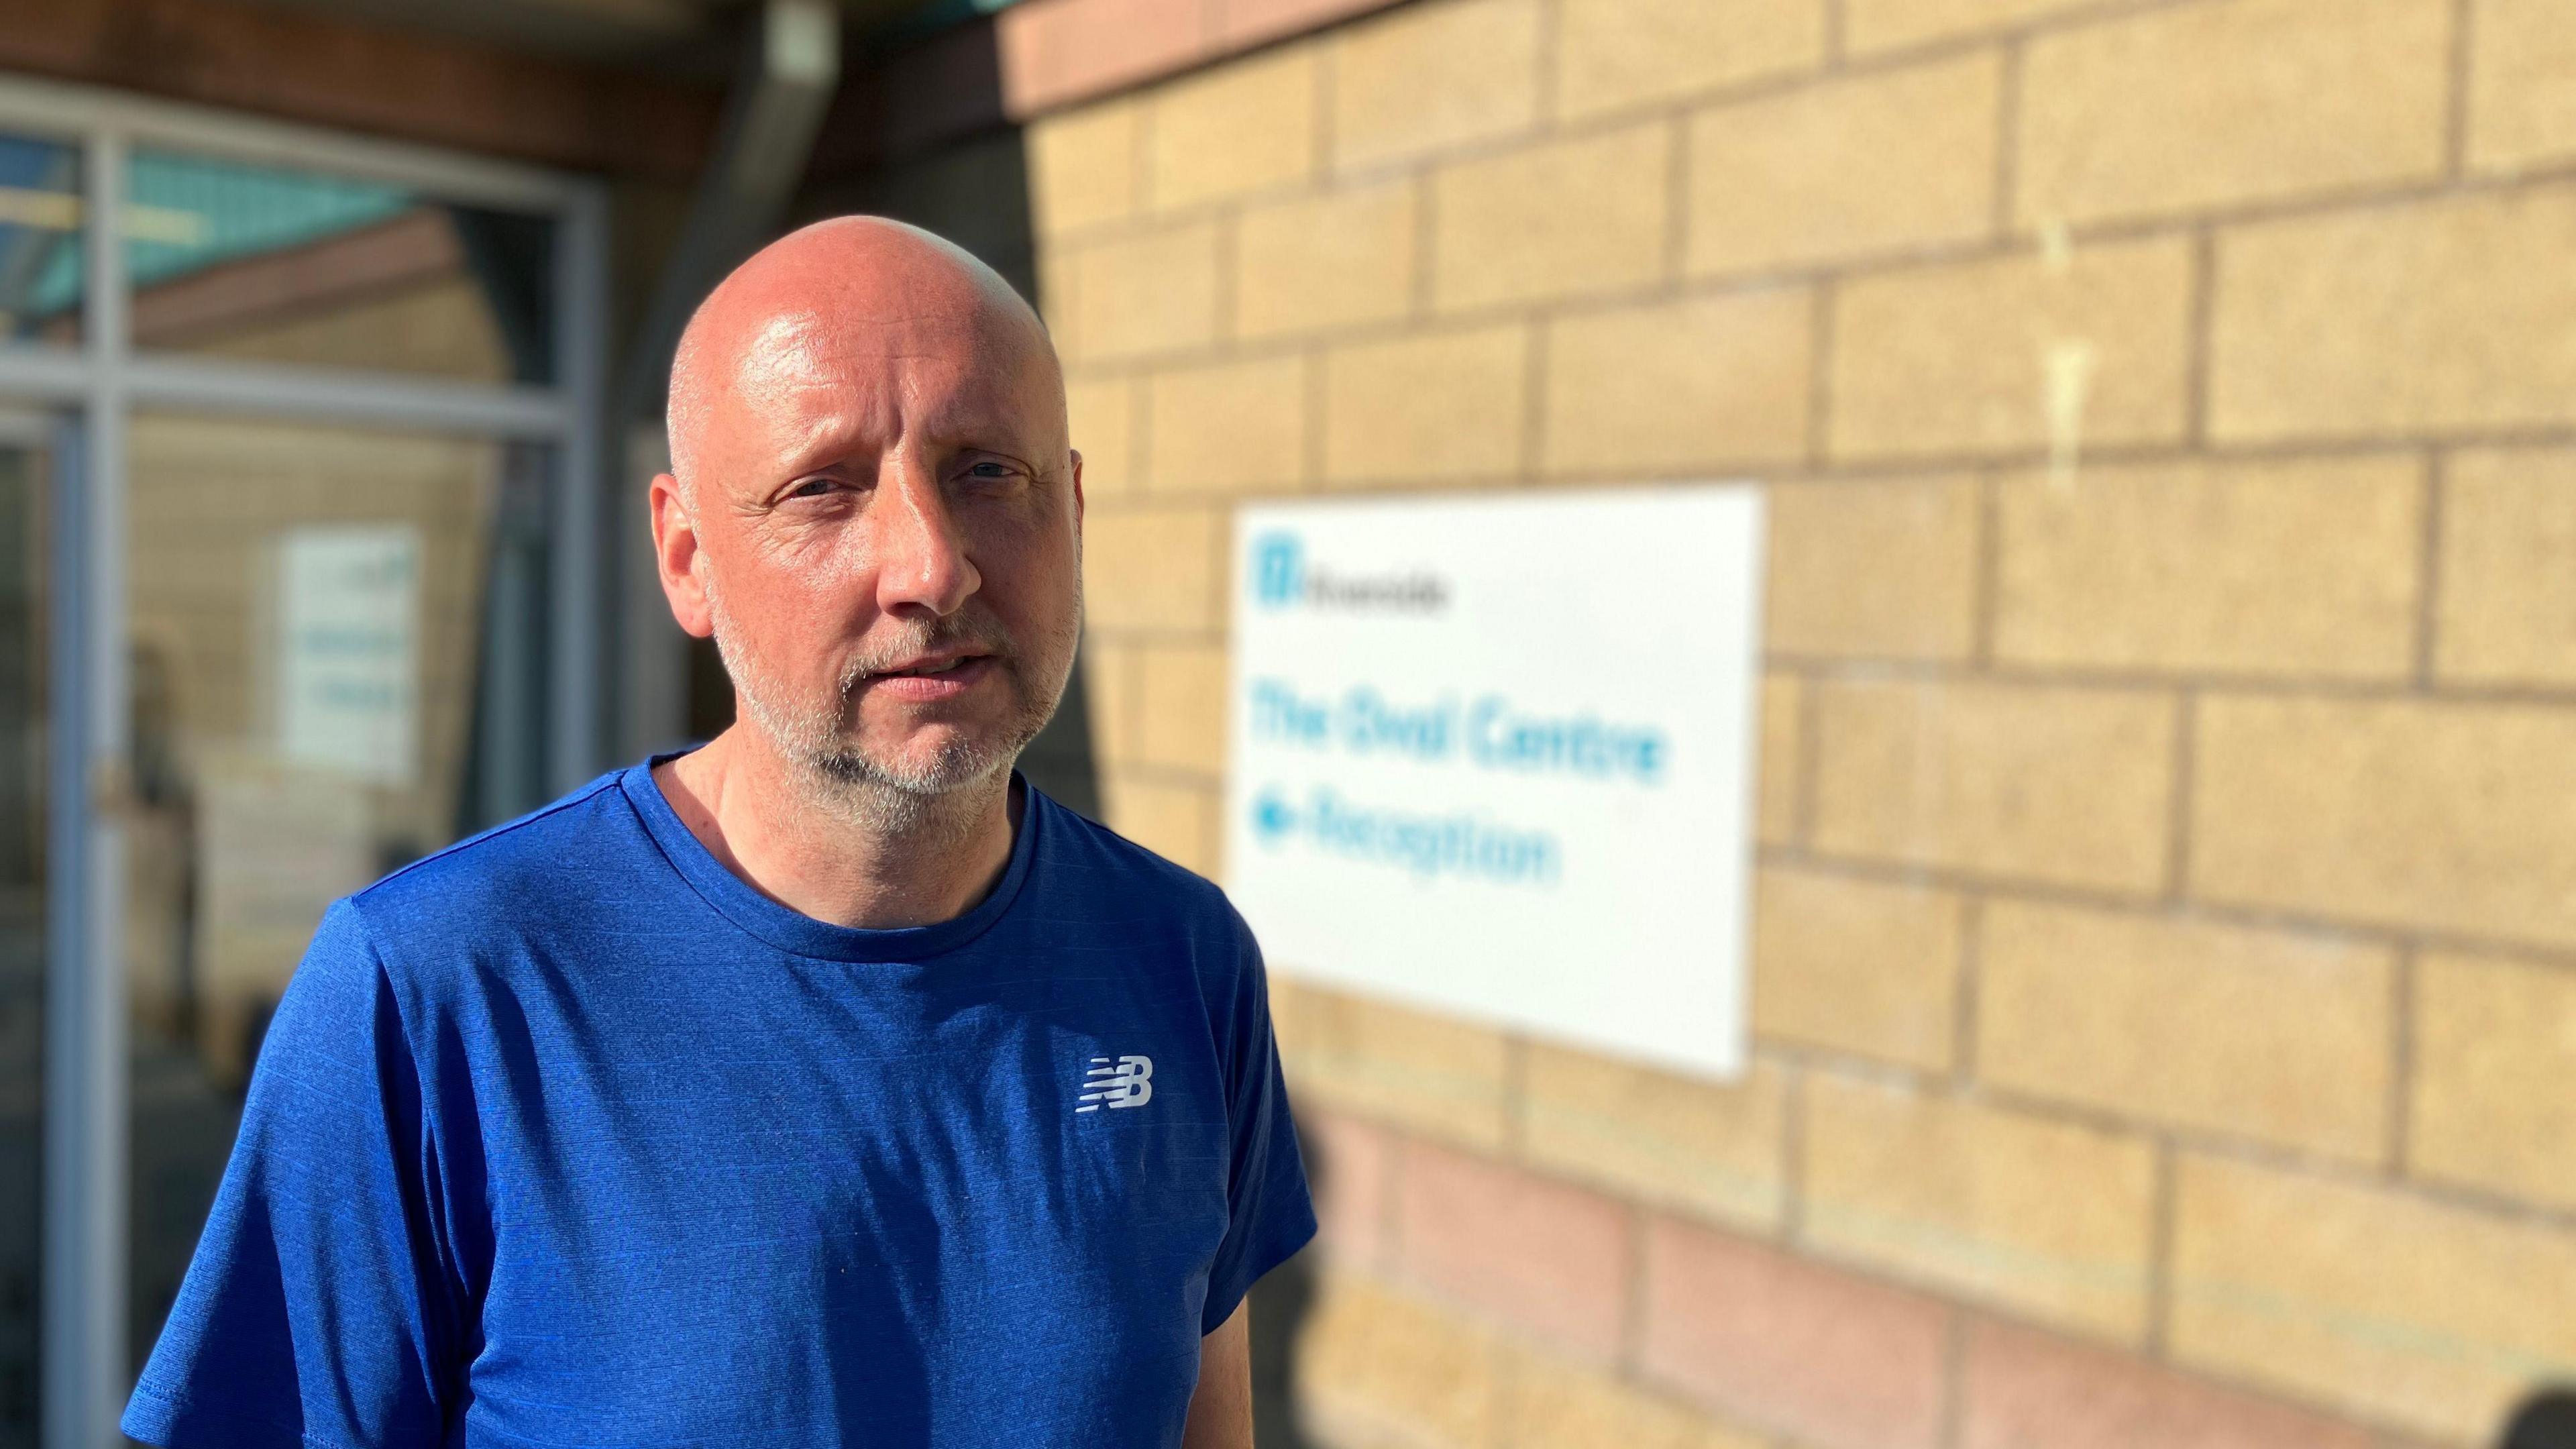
1283	577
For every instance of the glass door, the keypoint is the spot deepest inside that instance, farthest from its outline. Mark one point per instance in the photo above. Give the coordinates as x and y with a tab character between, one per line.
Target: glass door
335	648
307	586
27	479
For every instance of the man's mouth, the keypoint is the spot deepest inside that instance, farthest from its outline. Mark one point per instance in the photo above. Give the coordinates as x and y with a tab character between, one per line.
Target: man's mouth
926	668
928	677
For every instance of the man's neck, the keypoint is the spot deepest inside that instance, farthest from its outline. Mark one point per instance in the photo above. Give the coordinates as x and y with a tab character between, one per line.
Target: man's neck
745	805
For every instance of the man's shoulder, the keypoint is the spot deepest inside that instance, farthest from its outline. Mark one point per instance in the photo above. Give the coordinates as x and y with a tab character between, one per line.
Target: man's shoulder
1102	878
1135	874
542	863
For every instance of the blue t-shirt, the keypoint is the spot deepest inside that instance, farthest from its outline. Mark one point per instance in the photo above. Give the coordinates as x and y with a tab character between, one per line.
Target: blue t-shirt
568	1136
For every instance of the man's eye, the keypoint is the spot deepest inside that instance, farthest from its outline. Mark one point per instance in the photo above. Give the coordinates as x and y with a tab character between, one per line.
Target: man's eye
990	470
811	488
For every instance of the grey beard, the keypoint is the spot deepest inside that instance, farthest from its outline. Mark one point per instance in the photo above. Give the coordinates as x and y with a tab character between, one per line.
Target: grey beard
934	803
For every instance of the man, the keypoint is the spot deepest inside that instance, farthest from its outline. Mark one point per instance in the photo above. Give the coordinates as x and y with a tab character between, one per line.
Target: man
825	1085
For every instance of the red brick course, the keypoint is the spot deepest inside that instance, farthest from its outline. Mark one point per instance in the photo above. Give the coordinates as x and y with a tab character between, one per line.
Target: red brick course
1549	1259
2028	1390
1348	1169
1837	1361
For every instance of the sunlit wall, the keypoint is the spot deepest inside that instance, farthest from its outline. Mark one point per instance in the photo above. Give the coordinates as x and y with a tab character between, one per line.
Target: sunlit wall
2165	994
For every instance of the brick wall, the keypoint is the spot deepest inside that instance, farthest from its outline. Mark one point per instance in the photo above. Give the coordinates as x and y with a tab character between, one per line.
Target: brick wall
2165	979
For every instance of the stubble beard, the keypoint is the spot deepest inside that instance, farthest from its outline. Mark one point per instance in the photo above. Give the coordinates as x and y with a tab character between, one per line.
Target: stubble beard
927	802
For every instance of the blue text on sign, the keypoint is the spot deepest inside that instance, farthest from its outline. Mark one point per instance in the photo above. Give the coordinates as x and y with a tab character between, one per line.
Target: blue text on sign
1488	731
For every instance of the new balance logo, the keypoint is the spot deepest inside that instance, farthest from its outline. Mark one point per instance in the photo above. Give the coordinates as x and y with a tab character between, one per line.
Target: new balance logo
1126	1082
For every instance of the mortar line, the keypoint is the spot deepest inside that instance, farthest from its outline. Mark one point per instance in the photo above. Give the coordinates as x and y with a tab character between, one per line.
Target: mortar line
1793	1154
1801	1065
1142	146
1631	1350
2204	313
1837	58
1316	394
1229	262
1212	831
2384	689
2364	195
2463	76
1965	1001
2179	1142
1811	734
1059	292
1973	1312
1544	57
1425	216
1390	1216
2160	1251
2178	812
2428	568
1133	686
1533	440
1503	1389
2134	904
1899	262
1107	706
1820	371
2007	139
1954	1375
2364	1173
1677	193
2078	17
2401	1063
1327	94
1140	433
1129	635
1172	777
1988	600
1912	467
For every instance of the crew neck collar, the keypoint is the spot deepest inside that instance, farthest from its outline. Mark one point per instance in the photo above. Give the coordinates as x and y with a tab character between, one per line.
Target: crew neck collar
792	930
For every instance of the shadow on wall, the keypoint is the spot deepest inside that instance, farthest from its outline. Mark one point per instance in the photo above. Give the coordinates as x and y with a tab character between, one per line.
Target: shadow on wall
1281	1303
2546	1421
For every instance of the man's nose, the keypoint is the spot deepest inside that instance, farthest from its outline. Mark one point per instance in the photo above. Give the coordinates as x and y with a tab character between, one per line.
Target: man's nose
921	558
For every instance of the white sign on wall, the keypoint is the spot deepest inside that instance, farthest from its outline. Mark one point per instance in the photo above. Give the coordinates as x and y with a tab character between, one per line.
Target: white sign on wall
1494	756
348	675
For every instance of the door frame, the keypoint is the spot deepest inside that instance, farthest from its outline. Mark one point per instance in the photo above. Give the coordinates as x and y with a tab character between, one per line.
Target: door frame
97	388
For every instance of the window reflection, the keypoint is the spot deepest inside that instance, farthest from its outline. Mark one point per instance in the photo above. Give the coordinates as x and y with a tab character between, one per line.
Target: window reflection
40	241
334	656
262	264
25	469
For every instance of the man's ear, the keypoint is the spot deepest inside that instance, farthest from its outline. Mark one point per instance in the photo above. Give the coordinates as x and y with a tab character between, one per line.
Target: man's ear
1077	489
675	557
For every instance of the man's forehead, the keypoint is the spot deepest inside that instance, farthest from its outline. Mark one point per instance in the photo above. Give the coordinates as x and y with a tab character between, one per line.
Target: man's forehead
801	368
800	344
789	350
862	329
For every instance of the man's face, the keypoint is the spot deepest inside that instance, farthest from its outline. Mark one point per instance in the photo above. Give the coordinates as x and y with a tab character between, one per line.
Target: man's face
887	522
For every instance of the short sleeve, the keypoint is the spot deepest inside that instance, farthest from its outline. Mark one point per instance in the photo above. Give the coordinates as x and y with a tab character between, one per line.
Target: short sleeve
317	1309
1269	1214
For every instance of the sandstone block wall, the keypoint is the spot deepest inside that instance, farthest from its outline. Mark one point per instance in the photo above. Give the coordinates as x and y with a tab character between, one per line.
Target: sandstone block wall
2165	969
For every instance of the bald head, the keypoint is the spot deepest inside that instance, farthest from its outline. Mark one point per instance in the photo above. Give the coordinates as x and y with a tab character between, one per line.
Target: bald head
804	309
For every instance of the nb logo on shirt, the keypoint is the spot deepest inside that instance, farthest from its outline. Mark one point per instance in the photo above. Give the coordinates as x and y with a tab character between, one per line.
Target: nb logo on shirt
1125	1082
